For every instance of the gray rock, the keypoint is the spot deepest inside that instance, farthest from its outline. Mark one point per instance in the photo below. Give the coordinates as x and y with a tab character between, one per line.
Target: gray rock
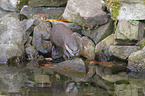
11	37
31	52
122	52
86	46
28	25
73	26
99	33
74	68
87	13
132	10
37	3
8	51
41	37
102	48
128	31
136	61
29	12
8	5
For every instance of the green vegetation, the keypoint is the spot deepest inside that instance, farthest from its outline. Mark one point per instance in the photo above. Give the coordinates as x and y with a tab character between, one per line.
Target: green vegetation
21	3
114	5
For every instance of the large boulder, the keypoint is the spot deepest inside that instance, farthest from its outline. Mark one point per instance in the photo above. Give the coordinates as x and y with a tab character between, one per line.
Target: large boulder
11	37
136	61
87	13
132	10
37	3
122	52
129	31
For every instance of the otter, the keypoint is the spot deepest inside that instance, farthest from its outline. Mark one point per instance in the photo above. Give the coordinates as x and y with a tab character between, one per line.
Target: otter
62	37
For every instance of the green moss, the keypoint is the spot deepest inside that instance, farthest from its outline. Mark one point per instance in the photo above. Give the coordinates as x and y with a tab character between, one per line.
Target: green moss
142	43
21	3
115	7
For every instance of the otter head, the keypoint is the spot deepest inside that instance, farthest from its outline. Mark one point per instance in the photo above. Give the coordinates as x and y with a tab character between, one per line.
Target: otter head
71	47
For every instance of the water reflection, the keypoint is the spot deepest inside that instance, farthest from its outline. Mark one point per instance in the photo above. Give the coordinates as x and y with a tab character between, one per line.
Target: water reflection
96	80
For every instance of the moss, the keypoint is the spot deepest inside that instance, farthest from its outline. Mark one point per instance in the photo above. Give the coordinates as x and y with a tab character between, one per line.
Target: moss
115	7
21	3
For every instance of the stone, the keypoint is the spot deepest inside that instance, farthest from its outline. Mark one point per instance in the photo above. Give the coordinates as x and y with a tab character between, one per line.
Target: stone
86	13
99	33
31	52
8	5
74	68
29	12
86	46
129	31
102	48
11	37
41	37
132	10
8	51
73	26
56	3
122	52
136	61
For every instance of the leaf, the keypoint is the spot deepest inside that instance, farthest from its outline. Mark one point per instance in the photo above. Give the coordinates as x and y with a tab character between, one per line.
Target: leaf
51	20
50	64
89	93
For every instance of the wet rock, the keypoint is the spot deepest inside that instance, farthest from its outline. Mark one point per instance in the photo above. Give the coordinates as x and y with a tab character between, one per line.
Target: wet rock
99	33
37	3
11	37
31	52
102	48
86	46
132	10
122	52
41	37
74	68
128	32
73	26
136	61
126	90
8	5
29	12
87	13
11	79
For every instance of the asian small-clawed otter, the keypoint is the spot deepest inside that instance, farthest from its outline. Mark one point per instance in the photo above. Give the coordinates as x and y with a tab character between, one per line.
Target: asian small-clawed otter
61	36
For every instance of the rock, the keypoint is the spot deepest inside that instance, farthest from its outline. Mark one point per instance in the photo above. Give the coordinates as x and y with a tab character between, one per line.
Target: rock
102	48
88	49
87	13
132	10
8	5
28	25
122	52
129	31
31	52
99	33
73	26
11	37
86	46
136	61
29	12
37	3
41	37
74	68
126	90
8	51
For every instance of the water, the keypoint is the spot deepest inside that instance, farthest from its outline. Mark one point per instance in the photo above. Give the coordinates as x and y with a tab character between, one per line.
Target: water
98	80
